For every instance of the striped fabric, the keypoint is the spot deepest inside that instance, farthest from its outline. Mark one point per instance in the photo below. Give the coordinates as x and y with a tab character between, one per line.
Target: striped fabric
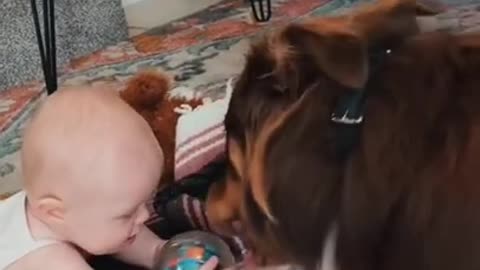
200	140
177	213
200	135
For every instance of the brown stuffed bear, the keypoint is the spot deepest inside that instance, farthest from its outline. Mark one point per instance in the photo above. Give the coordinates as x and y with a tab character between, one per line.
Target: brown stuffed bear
147	93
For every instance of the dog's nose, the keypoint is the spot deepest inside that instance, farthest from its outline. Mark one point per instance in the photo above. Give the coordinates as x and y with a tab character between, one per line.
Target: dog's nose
229	228
220	206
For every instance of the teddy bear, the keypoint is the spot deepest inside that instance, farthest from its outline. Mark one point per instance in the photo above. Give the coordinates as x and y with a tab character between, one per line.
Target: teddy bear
148	93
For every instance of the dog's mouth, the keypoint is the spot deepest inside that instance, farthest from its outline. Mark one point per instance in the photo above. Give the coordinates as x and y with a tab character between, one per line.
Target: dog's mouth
229	229
225	217
255	257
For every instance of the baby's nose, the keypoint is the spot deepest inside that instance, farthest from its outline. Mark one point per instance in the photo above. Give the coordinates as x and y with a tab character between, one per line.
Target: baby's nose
143	215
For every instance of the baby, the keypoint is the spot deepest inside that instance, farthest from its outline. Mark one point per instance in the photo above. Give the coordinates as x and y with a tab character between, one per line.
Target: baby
90	163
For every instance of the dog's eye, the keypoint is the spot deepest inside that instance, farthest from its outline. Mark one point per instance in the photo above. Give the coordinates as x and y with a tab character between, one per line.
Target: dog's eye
265	76
280	88
277	87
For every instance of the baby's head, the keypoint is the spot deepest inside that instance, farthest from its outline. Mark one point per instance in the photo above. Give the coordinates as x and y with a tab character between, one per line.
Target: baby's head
90	163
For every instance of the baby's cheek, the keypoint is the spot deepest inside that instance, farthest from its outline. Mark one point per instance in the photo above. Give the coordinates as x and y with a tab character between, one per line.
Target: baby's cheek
143	215
121	231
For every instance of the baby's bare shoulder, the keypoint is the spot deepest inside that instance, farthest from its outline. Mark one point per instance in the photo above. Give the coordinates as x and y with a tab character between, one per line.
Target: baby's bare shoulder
53	257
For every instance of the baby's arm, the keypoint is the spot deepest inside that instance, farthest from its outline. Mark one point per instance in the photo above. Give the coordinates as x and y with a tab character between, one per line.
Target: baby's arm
53	257
67	258
143	249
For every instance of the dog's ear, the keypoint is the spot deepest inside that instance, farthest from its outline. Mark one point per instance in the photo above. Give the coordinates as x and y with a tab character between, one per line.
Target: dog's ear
429	7
341	55
415	7
388	21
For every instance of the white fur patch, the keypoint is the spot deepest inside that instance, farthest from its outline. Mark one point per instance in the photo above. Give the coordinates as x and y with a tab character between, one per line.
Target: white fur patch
182	93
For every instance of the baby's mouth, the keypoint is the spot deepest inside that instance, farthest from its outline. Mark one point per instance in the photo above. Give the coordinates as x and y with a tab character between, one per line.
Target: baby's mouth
130	239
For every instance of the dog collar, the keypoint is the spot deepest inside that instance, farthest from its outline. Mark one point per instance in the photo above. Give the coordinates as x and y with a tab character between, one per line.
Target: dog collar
348	114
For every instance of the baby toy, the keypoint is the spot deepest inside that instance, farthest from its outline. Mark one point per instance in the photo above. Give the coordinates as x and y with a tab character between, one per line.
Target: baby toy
189	251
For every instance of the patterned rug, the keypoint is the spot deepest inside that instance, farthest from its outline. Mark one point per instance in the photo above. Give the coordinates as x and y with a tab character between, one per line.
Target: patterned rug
200	52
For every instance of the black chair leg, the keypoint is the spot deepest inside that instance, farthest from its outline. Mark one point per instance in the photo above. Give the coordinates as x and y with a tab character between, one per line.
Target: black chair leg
262	9
47	45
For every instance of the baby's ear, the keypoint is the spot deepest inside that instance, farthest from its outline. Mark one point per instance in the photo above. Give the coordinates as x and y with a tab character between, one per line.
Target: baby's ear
50	210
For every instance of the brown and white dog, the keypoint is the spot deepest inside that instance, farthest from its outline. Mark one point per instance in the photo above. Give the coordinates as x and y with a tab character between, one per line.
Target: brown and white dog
397	184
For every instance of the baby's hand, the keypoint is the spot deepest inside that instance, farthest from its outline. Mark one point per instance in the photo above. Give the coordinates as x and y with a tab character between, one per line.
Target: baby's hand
143	250
211	264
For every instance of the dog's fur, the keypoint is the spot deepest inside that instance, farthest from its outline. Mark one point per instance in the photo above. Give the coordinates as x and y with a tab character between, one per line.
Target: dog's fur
408	195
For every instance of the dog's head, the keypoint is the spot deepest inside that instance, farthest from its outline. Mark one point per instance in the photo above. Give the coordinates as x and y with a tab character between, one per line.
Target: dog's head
284	180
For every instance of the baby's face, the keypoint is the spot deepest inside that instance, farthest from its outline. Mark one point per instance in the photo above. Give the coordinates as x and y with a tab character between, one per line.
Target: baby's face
90	172
110	217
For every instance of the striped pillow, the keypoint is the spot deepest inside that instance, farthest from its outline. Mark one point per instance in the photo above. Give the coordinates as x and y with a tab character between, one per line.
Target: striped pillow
200	135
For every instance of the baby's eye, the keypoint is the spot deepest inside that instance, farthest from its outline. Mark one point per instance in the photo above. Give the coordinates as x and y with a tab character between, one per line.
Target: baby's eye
127	216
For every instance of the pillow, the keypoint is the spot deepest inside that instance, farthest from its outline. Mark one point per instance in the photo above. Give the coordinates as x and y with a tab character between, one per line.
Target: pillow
200	134
199	139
